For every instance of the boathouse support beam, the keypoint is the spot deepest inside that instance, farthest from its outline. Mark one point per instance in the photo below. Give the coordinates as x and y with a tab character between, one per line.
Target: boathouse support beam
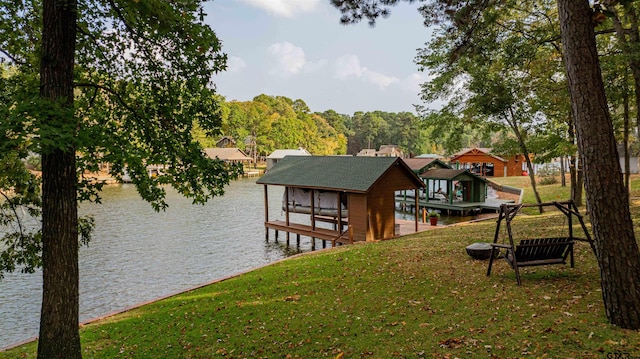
266	212
286	210
418	207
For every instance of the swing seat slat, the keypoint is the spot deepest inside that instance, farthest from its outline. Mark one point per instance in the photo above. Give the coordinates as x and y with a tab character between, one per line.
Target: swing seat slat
540	251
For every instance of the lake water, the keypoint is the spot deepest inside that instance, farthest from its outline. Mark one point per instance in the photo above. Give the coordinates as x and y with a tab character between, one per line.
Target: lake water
137	254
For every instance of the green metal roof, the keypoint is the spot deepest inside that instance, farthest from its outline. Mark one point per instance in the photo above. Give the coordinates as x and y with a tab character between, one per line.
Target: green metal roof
344	173
419	165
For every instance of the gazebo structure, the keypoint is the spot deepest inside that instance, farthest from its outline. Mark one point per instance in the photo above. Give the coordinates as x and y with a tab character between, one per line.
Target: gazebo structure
355	194
418	166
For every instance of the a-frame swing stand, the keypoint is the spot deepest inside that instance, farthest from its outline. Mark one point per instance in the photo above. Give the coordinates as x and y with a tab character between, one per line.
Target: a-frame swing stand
538	251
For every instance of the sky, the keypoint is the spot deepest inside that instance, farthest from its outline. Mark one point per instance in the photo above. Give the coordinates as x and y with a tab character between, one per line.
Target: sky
299	49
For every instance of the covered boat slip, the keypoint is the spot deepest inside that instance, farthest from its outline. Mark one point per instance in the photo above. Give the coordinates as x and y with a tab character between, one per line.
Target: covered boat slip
451	190
324	203
355	196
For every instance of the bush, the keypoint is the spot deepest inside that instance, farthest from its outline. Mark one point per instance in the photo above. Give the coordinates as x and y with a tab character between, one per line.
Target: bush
548	180
548	174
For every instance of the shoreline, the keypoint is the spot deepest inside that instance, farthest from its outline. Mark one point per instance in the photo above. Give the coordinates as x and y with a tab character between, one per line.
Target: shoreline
407	229
138	305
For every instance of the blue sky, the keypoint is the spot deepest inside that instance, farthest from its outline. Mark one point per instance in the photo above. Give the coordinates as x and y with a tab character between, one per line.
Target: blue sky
299	49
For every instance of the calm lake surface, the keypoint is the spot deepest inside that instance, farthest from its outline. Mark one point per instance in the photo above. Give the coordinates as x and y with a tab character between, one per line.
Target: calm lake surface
137	254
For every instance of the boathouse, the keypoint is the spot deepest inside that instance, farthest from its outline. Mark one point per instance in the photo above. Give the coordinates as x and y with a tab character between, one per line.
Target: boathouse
421	165
451	185
481	162
348	199
278	155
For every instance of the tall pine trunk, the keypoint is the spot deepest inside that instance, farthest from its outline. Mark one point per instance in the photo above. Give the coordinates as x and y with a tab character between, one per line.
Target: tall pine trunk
59	335
607	201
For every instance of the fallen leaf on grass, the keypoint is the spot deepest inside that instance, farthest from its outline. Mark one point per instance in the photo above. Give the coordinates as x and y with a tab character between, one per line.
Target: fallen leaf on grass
452	343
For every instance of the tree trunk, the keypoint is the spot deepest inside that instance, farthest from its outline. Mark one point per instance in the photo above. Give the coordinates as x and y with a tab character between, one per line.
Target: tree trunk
563	180
615	245
574	173
625	141
59	335
578	191
525	151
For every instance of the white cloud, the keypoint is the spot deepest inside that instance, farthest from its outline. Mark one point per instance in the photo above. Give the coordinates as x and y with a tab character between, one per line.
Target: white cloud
310	66
291	60
285	8
349	65
235	64
378	79
415	80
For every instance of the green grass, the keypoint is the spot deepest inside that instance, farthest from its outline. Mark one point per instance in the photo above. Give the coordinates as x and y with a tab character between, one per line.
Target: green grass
416	296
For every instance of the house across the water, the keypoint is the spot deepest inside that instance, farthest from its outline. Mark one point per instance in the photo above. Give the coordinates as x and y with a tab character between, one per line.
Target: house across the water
483	163
348	199
228	154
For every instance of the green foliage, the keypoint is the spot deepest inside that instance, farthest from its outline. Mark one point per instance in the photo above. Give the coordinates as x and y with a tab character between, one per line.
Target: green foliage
34	162
277	122
20	245
548	180
143	96
548	175
374	129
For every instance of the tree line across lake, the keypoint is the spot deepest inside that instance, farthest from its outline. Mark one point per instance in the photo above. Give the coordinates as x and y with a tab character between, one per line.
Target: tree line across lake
269	122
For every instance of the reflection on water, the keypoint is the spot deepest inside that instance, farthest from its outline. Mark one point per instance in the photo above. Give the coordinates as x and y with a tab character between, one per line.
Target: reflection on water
137	254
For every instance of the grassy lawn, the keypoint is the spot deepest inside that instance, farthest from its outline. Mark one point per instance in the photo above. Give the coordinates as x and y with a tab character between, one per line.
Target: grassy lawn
416	296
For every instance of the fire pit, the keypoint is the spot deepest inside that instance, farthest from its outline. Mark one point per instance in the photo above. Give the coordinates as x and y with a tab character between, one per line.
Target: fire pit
481	250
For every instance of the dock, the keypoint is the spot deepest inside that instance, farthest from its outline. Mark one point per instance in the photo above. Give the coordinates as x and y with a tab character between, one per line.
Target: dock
460	206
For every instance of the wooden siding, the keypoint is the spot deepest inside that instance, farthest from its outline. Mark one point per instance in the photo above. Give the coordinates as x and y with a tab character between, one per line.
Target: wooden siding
382	203
394	180
498	165
514	165
381	214
358	216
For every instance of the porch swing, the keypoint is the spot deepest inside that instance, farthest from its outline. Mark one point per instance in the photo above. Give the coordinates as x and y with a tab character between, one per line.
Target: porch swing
538	251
